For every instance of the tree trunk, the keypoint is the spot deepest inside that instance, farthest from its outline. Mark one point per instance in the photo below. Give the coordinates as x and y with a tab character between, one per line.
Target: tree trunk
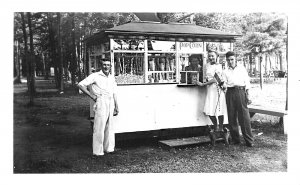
43	64
59	49
46	62
286	103
84	52
286	91
17	62
255	66
28	71
79	61
73	64
32	57
261	72
79	55
25	49
266	65
251	65
52	48
280	61
270	62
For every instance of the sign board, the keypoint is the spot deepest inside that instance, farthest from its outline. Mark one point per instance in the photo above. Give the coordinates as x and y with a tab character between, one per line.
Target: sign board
191	47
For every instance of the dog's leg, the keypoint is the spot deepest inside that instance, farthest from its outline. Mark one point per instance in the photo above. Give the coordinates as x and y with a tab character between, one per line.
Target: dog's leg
226	136
212	136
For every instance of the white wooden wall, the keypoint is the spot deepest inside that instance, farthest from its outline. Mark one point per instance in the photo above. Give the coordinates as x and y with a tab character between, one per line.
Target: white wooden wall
162	106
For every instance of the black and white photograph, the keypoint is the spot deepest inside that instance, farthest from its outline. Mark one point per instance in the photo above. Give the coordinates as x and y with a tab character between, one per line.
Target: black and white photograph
164	93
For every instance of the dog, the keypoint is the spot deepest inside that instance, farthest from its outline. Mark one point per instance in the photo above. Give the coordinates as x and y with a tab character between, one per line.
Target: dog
214	135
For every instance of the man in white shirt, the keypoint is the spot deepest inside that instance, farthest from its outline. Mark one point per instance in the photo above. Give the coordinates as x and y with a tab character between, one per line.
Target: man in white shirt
103	85
237	97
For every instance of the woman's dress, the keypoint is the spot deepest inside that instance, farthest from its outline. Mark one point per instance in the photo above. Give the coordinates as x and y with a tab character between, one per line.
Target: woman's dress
215	102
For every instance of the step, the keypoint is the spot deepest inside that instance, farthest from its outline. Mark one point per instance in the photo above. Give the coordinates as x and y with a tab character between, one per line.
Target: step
187	141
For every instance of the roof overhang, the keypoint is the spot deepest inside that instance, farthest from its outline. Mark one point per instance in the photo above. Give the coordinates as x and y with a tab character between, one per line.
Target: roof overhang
160	31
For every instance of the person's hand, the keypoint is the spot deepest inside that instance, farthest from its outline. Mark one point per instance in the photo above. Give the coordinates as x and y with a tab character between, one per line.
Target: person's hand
248	99
94	98
200	83
116	111
224	87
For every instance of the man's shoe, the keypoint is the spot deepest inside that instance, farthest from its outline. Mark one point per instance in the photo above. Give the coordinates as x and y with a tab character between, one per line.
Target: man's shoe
236	142
113	152
97	156
249	144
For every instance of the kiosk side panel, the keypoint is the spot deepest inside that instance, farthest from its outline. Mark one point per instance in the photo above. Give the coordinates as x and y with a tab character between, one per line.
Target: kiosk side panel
162	106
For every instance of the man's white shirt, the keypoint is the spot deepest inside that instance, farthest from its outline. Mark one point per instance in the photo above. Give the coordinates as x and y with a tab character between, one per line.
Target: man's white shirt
236	77
101	84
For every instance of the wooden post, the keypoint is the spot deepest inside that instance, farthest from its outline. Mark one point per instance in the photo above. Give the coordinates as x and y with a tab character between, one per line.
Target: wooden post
231	46
261	71
90	62
177	61
84	59
205	60
250	65
112	57
145	60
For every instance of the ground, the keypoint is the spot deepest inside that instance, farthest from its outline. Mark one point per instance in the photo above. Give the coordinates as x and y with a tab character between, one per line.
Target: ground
54	136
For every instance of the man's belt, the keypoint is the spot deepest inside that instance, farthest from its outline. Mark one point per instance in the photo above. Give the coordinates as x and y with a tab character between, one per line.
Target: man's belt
236	87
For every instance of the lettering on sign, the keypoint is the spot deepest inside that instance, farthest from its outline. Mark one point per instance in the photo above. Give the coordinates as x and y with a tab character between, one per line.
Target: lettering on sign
191	45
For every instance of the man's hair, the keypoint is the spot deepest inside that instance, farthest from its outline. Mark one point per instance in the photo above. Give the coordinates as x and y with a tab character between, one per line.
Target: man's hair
229	54
105	59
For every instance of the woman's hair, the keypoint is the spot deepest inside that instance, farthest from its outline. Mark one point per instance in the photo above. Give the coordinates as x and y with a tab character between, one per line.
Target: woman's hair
197	56
213	51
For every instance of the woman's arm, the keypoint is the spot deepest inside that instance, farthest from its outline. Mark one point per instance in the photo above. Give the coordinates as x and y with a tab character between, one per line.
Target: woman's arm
207	83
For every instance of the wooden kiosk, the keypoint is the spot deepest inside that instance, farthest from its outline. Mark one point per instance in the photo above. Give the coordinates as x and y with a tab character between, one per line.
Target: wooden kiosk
149	61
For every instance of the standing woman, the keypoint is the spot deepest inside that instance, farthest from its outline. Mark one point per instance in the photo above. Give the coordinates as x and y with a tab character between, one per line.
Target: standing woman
215	103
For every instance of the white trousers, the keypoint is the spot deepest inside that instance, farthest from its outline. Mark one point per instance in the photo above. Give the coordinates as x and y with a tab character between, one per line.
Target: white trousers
103	134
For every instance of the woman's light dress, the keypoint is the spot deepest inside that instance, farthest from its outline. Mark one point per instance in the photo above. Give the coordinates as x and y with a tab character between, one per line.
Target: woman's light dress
215	102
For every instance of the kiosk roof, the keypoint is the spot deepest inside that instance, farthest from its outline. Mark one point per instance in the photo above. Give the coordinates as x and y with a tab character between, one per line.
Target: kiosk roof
162	31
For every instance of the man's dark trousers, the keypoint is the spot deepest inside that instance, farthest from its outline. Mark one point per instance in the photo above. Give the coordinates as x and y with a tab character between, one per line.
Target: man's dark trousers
237	109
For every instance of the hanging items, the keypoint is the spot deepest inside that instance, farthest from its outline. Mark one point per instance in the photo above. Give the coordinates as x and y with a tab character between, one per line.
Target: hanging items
162	68
167	68
151	64
117	65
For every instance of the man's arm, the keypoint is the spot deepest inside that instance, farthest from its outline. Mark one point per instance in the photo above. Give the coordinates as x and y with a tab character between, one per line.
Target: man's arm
116	110
84	89
247	83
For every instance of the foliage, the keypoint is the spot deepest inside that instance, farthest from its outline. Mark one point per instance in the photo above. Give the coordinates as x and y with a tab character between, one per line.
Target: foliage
263	34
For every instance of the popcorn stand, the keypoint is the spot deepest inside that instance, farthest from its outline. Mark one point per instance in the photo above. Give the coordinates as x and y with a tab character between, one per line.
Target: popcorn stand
152	66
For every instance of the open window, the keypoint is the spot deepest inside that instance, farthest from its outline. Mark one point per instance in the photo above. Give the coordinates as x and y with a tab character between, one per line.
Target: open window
161	68
191	68
129	68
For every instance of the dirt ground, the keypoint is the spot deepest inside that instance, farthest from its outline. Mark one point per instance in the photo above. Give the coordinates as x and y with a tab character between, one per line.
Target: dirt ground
54	136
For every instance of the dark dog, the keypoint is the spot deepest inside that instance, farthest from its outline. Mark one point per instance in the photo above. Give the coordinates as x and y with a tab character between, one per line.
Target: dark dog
215	135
